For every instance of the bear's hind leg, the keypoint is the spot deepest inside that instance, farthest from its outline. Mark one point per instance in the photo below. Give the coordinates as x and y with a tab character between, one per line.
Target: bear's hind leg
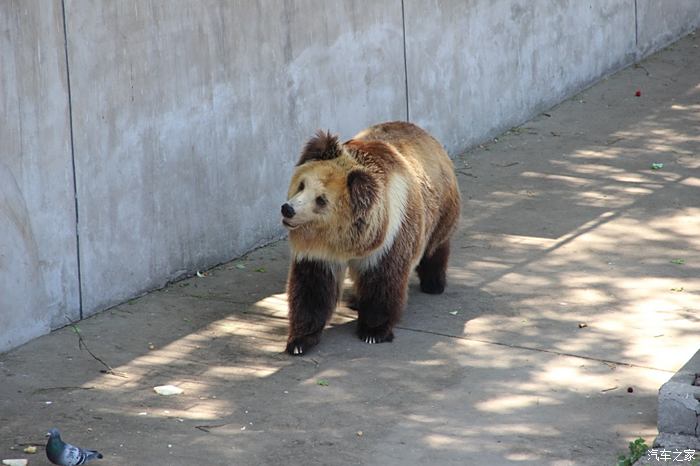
432	270
313	293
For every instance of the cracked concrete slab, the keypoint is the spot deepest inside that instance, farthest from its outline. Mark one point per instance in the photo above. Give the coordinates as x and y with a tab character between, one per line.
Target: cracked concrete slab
563	316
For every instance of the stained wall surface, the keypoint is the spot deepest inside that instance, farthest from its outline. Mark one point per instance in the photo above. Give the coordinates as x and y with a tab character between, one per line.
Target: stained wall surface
476	68
660	23
187	117
38	259
190	116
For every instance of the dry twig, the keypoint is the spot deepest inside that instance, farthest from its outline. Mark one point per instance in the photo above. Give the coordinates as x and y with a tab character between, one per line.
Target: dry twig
82	345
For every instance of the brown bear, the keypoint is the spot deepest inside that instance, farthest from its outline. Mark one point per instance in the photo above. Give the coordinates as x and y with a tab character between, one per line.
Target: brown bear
380	205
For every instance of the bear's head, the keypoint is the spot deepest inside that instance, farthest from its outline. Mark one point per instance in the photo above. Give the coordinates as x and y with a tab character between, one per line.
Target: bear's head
332	206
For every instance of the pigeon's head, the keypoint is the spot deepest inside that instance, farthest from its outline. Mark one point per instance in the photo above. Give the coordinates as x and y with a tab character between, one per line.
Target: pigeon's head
53	433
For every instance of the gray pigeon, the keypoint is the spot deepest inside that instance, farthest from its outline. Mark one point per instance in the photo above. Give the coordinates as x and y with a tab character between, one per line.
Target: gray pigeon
65	454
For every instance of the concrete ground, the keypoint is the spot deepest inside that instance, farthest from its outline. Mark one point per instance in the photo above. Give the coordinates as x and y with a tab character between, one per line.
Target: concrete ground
574	286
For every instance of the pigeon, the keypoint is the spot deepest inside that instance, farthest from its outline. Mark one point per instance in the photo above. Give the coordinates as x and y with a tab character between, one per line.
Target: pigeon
65	454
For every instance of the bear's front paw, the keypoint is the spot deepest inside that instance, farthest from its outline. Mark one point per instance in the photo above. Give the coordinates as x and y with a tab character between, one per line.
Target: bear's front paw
373	335
297	346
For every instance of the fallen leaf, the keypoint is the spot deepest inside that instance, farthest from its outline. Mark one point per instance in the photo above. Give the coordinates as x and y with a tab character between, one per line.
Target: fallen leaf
677	289
239	266
657	166
638	93
582	325
678	261
260	269
31	449
168	390
322	382
360	433
201	274
454	313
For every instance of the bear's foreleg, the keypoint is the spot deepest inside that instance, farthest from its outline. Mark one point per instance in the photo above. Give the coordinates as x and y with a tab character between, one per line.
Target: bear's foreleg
380	297
313	293
432	270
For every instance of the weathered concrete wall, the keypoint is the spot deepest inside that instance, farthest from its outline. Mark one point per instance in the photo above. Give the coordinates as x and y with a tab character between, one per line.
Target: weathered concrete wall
38	261
476	68
661	22
188	117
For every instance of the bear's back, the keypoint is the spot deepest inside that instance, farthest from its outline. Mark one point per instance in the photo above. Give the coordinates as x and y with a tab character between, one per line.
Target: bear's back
419	148
423	153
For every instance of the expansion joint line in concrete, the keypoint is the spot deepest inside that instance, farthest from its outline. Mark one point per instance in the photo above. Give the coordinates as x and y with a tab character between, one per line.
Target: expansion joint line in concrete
72	157
636	26
531	348
405	62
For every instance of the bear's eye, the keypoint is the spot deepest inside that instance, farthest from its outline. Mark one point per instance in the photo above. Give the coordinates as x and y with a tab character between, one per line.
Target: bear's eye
301	186
321	201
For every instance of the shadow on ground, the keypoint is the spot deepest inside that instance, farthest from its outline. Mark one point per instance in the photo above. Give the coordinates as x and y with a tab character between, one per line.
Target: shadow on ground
572	297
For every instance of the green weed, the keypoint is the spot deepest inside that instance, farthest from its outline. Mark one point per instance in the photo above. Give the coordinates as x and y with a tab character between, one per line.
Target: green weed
637	449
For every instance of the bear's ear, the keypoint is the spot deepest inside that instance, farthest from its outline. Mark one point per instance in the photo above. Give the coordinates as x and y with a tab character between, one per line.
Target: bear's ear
363	191
323	146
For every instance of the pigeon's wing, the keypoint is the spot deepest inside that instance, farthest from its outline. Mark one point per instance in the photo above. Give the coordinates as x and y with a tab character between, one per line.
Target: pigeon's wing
75	456
72	455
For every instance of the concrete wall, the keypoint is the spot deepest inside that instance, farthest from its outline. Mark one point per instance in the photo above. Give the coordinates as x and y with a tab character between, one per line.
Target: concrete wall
38	259
661	22
478	67
188	117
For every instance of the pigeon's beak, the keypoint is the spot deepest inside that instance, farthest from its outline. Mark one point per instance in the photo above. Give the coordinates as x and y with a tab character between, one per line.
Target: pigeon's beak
47	434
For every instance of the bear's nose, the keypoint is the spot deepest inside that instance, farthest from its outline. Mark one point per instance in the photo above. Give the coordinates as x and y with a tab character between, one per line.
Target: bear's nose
287	210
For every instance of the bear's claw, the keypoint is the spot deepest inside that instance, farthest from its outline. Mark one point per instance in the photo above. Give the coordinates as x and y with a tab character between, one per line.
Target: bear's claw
295	349
297	346
375	335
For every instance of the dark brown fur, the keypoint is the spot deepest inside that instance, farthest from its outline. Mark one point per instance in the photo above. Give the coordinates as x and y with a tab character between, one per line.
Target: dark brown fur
323	146
363	192
313	294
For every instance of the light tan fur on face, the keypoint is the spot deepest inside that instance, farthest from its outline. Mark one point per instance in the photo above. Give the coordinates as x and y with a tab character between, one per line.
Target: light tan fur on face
309	182
329	234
